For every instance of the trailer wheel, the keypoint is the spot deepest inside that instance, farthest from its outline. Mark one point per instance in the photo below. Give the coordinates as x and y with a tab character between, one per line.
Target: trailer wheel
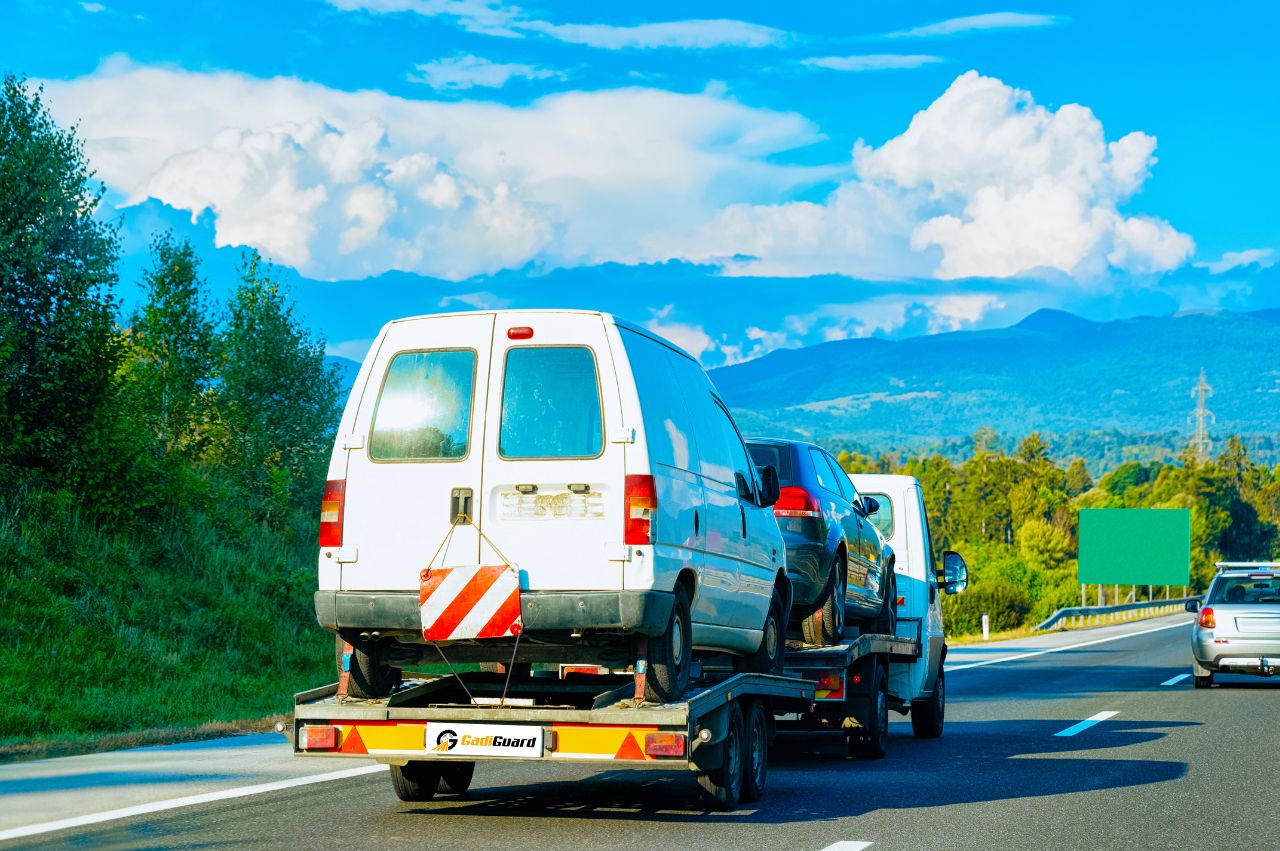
824	625
671	654
770	657
415	781
455	777
721	788
872	741
756	751
927	715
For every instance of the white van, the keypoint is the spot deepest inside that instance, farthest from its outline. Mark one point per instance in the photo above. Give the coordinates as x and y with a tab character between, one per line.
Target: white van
594	457
918	686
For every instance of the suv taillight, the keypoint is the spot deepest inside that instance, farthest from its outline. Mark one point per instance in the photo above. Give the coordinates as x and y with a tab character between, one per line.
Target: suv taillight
1206	619
641	503
335	493
796	502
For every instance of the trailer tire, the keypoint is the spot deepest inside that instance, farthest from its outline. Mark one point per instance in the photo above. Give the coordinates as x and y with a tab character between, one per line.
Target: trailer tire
415	781
770	656
721	788
671	654
455	777
824	625
928	714
872	740
370	675
755	768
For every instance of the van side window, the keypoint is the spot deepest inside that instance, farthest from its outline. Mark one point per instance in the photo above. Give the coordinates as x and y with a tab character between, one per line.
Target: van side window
739	458
423	412
550	404
714	459
668	429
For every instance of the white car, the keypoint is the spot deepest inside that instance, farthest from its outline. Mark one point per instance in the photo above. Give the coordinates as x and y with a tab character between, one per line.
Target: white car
595	458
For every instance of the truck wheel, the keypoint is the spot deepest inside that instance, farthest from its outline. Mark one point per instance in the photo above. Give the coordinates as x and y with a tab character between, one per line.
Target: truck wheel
721	788
455	777
927	715
371	676
872	741
886	623
824	625
1204	682
671	654
756	750
415	781
771	654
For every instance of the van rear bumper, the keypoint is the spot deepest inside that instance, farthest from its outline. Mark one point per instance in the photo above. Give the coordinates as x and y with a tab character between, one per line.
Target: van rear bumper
645	612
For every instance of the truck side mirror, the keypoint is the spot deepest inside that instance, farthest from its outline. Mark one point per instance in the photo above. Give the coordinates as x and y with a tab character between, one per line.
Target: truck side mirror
770	488
870	505
1193	605
955	573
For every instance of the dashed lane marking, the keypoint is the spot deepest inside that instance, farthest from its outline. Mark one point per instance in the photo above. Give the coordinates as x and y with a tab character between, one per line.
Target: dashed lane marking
848	845
1086	723
1173	681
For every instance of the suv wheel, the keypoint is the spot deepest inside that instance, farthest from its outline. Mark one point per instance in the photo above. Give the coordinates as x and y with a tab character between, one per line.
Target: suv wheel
824	625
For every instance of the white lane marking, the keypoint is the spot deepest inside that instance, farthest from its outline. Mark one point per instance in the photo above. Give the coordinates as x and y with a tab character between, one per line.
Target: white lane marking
188	801
950	668
848	845
1175	680
1086	723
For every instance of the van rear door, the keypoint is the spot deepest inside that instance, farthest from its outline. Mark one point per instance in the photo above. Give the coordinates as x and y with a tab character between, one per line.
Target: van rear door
422	419
554	481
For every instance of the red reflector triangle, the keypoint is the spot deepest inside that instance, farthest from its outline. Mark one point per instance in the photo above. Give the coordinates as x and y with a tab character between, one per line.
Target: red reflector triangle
630	749
353	743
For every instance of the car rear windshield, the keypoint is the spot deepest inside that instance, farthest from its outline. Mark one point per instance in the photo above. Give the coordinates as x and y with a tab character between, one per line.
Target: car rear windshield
883	518
771	454
551	404
423	411
1246	590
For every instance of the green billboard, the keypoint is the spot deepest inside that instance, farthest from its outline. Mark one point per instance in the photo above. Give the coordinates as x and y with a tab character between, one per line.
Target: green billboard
1135	546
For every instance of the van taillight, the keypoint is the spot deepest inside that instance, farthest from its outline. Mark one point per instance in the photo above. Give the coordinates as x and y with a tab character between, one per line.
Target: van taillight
1206	619
796	502
335	493
641	503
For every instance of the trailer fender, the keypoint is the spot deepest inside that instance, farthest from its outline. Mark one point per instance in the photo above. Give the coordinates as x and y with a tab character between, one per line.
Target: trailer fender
708	755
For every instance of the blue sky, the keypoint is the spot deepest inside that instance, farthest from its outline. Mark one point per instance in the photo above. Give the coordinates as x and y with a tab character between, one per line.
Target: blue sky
740	176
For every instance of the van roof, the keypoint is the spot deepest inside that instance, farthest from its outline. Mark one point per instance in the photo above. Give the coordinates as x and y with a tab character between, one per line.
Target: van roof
885	481
607	317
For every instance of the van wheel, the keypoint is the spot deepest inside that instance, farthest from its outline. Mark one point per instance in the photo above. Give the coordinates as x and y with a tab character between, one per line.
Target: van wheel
721	788
755	768
927	715
872	741
455	777
415	781
1204	682
671	654
886	623
371	676
770	655
824	624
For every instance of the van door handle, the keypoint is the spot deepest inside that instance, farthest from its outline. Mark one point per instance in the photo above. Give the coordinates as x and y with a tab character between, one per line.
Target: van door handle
695	521
460	506
743	512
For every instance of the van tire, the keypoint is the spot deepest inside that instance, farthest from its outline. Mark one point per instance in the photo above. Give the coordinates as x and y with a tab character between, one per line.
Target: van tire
1204	682
671	654
415	781
770	656
370	676
928	714
455	777
824	625
721	788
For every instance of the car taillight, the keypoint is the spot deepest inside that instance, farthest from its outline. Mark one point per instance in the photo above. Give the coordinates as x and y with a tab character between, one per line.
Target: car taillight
1206	619
335	495
796	502
641	502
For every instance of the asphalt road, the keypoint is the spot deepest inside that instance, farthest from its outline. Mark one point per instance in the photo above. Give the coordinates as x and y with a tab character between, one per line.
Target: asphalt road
1173	767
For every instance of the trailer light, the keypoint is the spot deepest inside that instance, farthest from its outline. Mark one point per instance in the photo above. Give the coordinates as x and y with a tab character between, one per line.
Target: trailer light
520	332
319	738
1206	618
664	744
829	682
857	678
331	503
704	735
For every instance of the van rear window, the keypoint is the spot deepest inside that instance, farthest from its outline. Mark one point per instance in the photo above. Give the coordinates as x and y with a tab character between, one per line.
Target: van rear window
424	408
550	404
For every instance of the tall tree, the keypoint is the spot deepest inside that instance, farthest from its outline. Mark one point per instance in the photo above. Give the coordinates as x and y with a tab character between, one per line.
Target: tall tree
60	348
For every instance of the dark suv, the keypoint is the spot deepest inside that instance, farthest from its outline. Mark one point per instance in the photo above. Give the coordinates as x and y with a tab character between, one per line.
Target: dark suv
834	552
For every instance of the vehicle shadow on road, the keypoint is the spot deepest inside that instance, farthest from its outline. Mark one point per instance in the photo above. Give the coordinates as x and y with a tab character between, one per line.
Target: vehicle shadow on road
812	779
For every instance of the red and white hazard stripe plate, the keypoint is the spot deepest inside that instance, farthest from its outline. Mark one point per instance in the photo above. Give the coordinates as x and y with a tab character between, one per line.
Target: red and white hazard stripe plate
477	601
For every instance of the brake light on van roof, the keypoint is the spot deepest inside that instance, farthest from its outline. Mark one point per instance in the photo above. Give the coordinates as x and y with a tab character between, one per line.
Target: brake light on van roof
520	332
796	502
331	505
641	500
1206	619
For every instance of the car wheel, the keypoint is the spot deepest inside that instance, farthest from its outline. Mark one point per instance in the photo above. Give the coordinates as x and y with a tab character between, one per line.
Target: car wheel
771	654
370	675
755	768
886	623
1205	681
927	715
671	654
415	781
721	788
872	741
824	625
455	777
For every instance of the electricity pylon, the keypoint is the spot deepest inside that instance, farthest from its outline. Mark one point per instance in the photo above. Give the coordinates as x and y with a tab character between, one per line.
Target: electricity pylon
1201	444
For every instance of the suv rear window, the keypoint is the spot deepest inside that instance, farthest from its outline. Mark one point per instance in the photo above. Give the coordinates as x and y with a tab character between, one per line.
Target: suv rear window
1247	590
778	457
551	404
423	411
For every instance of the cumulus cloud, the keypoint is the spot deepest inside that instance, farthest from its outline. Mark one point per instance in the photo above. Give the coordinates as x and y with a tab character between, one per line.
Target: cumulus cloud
465	71
1261	257
978	23
871	62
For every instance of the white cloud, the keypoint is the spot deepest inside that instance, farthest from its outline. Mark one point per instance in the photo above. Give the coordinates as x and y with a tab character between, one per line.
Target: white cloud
465	71
692	338
351	349
93	8
978	23
872	62
1262	257
484	17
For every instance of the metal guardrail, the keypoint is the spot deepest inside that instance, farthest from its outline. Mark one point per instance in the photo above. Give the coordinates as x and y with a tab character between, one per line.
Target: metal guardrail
1089	615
